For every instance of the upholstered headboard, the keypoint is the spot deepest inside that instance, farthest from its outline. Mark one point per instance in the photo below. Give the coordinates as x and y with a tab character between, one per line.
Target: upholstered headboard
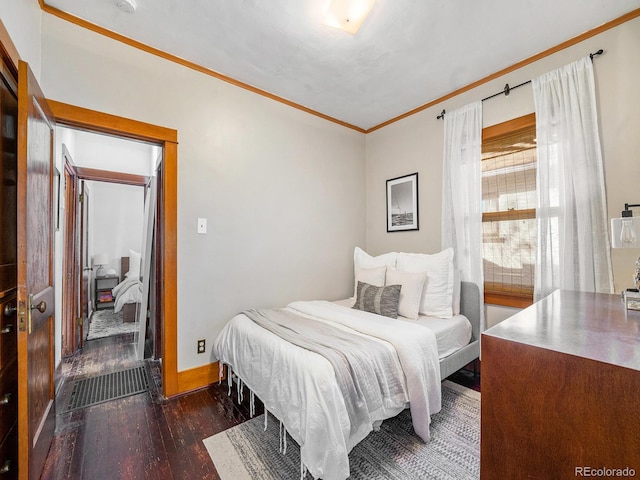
470	306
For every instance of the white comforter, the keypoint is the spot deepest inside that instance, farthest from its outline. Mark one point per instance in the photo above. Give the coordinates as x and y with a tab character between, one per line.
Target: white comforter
127	291
300	389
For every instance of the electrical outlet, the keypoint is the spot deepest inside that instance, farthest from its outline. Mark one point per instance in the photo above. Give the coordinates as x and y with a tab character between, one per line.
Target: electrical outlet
201	346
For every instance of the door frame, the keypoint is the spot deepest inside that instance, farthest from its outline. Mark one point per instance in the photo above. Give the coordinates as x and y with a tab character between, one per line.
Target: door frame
75	231
94	121
70	262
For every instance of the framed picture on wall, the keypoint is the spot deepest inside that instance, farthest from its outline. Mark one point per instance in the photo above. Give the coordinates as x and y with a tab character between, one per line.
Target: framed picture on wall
402	203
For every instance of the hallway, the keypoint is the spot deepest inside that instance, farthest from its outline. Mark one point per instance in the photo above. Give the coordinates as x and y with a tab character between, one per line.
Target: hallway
142	436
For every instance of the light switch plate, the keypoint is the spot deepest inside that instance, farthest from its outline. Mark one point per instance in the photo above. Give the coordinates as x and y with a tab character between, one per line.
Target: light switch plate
202	225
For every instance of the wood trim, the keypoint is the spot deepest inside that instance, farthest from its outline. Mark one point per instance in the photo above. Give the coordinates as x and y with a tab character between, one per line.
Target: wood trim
526	214
508	127
173	58
186	63
114	177
8	49
167	138
95	121
199	377
169	298
70	263
508	300
569	43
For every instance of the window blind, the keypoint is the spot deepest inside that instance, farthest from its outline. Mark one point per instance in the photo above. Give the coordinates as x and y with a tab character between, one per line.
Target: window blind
509	202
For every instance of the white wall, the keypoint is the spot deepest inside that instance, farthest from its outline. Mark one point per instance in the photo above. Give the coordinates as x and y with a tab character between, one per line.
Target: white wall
116	221
22	19
415	145
283	191
104	152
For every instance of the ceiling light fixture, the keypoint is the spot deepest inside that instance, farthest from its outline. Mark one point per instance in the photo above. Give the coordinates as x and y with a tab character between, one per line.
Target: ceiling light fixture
347	15
128	6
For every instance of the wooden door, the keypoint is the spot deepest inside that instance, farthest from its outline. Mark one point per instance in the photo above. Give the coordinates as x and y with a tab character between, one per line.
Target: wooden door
85	262
36	408
70	261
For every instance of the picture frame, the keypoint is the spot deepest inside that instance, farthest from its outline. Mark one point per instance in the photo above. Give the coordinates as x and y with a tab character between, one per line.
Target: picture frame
402	203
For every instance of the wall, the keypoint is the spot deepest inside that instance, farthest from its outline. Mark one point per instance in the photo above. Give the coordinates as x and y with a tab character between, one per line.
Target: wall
105	152
22	19
414	144
116	221
283	191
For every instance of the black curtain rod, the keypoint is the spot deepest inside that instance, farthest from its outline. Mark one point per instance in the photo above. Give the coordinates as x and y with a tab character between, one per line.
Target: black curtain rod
507	89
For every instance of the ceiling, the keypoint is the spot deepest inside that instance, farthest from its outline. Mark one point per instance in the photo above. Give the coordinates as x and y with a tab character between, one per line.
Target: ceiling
406	54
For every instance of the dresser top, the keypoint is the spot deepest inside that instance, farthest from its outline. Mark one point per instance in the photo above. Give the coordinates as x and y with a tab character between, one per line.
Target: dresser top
588	325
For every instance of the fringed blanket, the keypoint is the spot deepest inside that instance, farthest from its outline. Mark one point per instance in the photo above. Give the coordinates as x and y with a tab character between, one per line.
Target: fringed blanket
300	387
367	371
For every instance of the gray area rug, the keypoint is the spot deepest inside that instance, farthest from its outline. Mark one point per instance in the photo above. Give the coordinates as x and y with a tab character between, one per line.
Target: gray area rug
392	453
105	323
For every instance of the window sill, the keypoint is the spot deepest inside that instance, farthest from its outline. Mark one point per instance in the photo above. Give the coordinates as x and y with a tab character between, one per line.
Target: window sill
516	301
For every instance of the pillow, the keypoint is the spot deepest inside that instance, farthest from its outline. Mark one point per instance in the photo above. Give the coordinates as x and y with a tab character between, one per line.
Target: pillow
437	295
372	276
362	259
134	264
412	285
380	300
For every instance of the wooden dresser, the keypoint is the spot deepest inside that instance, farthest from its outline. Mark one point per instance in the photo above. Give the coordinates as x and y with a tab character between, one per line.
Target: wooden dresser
561	390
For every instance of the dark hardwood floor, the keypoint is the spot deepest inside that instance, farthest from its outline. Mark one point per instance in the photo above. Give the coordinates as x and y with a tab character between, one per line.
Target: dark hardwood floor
143	436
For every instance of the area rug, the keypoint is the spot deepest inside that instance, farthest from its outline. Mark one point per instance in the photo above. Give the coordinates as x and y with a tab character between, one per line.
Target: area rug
105	323
394	452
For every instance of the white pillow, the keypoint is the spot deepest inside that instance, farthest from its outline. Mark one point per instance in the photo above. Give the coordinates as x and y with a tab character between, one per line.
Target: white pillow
134	264
372	276
411	291
437	295
362	259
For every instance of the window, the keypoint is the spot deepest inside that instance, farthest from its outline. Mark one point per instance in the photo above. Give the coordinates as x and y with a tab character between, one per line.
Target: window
509	211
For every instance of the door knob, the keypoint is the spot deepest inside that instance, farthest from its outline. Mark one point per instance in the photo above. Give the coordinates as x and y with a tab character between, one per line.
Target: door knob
41	307
9	310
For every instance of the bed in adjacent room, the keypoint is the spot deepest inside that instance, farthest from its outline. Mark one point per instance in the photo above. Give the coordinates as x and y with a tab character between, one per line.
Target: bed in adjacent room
408	327
128	293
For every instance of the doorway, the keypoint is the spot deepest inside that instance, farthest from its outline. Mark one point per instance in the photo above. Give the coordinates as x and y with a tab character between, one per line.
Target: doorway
166	205
106	188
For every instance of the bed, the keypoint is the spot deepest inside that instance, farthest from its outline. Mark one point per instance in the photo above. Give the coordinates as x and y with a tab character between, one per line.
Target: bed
128	292
301	385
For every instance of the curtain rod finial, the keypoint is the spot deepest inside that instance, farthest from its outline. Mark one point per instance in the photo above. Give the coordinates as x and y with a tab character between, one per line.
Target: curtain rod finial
599	52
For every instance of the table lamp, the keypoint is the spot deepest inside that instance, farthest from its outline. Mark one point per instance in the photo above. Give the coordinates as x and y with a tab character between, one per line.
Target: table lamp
625	233
100	260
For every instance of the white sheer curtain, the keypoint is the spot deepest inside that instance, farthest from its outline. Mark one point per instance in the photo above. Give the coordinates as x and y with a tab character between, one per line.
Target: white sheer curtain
462	193
573	240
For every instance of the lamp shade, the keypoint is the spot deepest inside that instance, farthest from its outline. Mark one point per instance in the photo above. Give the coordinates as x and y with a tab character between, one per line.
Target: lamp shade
100	259
625	232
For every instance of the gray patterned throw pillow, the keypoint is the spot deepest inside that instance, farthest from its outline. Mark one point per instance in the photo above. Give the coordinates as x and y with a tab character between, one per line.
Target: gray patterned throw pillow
380	300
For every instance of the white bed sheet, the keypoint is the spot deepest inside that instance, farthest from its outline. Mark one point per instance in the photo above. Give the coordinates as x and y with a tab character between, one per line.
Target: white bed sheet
127	291
299	386
451	333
